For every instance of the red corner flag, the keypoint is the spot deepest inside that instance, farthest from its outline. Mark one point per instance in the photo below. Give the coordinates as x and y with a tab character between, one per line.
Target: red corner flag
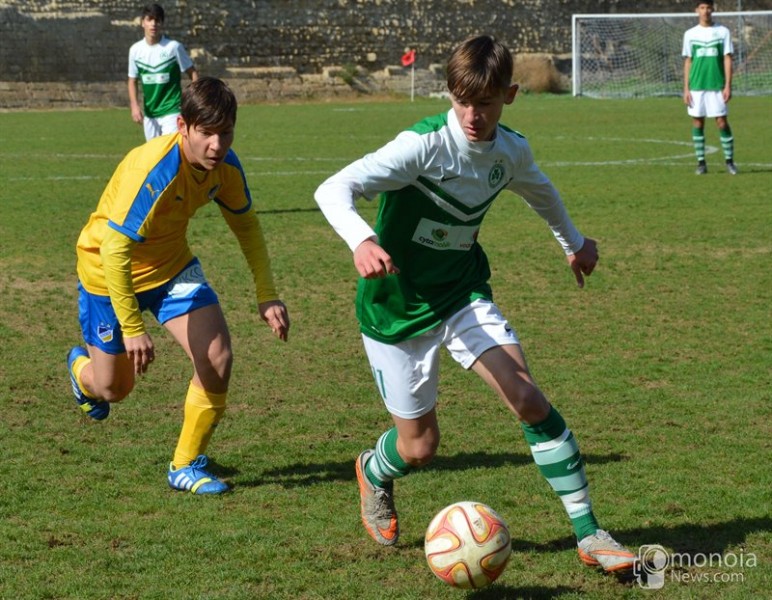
408	58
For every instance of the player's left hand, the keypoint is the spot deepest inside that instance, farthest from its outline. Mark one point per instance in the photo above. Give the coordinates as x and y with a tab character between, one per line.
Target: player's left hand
584	260
275	314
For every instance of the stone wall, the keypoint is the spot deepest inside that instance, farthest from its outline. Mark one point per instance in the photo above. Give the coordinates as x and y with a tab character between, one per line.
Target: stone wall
64	52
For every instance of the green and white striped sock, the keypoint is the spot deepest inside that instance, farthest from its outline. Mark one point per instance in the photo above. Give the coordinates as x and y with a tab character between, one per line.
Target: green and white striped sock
386	464
727	143
556	453
698	139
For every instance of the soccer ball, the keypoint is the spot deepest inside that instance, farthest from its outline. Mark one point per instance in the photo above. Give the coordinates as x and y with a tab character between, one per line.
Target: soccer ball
467	545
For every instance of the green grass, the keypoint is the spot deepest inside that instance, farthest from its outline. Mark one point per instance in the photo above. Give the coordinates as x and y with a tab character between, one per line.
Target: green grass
661	366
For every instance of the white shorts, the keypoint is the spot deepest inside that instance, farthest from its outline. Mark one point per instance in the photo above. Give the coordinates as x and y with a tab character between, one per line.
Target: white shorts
406	373
155	126
707	104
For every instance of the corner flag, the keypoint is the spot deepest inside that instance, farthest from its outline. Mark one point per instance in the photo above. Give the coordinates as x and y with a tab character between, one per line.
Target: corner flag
408	58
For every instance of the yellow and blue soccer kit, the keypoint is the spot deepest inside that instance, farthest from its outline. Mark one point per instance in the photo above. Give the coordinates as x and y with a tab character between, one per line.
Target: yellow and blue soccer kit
135	241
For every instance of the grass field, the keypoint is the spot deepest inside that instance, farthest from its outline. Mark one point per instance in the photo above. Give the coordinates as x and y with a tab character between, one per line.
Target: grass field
661	366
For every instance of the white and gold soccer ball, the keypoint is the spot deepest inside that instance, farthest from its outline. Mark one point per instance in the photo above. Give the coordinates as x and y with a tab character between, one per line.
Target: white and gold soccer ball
467	545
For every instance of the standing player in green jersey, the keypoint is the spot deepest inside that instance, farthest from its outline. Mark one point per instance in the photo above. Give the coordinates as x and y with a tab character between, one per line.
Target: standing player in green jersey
707	52
159	63
424	285
133	256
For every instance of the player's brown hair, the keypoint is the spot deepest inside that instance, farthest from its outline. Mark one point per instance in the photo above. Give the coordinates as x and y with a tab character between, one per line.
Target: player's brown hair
209	102
479	66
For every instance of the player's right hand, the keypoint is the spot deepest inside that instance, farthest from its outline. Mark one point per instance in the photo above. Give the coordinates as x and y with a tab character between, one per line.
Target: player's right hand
141	352
372	261
136	115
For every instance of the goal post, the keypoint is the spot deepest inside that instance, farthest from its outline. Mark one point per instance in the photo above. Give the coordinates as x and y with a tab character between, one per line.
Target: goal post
638	55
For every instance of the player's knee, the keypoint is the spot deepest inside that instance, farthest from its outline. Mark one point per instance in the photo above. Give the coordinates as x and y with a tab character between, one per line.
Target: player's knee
114	391
223	363
214	370
529	403
422	450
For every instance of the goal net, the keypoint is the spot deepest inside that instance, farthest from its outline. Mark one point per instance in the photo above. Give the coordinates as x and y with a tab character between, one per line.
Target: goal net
629	55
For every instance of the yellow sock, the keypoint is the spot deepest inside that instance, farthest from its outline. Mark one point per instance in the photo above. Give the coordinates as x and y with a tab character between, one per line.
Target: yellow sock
77	368
203	411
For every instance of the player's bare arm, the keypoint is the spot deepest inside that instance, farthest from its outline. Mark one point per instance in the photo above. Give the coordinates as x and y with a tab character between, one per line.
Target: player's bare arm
372	261
136	111
141	352
274	313
687	95
727	91
583	261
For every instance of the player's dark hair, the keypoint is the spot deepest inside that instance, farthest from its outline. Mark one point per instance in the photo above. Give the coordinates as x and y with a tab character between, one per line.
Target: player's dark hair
154	11
696	4
479	66
209	102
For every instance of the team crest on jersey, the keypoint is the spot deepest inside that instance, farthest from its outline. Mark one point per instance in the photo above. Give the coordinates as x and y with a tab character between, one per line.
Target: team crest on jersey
496	175
105	332
213	192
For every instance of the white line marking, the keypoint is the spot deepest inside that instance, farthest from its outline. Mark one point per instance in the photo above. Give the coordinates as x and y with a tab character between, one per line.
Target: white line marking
343	161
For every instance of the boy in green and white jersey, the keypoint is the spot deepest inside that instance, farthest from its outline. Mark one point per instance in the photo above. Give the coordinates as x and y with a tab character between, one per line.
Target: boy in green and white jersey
424	285
707	51
159	63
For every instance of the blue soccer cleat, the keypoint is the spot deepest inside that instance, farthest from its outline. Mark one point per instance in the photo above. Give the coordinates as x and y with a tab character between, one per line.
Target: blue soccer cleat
95	409
195	478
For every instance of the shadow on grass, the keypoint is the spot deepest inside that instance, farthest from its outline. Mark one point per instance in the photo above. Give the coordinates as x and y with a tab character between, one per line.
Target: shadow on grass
300	475
505	592
697	538
686	538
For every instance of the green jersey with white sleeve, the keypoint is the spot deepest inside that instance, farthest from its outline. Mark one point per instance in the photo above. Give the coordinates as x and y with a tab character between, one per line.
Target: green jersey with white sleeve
159	67
707	46
435	189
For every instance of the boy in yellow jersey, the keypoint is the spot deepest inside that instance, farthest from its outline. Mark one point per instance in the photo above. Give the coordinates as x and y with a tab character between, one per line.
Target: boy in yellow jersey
133	255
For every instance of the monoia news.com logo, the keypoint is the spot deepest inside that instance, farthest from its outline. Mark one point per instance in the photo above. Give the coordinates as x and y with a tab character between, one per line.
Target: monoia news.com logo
655	565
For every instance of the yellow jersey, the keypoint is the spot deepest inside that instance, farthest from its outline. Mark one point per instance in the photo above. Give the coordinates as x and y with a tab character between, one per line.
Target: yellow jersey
136	239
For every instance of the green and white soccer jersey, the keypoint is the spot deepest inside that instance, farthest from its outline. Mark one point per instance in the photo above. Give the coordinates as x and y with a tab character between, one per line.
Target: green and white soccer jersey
159	67
707	46
435	187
